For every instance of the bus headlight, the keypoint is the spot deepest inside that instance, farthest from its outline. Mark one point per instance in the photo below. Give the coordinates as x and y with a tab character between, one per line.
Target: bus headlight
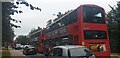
83	43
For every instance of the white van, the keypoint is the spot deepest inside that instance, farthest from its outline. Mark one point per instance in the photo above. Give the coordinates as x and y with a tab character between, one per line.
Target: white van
18	46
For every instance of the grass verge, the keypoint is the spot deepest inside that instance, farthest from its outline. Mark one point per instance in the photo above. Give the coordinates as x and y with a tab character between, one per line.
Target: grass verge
5	54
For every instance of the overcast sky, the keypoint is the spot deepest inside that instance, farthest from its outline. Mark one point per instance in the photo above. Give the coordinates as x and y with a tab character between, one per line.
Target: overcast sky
34	18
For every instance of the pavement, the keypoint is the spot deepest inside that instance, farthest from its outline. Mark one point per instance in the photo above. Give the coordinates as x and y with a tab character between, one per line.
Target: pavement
19	54
16	53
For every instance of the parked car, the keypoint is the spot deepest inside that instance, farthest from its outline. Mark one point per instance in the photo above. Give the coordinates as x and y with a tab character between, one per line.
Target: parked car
18	46
29	49
71	51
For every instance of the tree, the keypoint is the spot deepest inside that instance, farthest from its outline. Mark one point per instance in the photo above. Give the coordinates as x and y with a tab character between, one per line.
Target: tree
34	30
22	39
9	8
113	18
59	15
7	30
49	22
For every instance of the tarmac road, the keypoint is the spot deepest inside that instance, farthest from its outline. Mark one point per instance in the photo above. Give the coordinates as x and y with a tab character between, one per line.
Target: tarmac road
38	54
19	54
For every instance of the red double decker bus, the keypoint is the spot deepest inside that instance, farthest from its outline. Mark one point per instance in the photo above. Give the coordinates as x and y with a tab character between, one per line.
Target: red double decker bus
85	26
36	40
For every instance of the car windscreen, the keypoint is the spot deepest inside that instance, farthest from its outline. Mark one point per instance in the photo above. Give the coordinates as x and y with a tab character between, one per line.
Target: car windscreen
80	52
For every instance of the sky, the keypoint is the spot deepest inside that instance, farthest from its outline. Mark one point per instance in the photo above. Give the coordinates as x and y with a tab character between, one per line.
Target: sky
34	18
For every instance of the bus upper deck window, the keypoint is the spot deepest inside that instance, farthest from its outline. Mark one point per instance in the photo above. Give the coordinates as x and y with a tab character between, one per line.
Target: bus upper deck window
93	14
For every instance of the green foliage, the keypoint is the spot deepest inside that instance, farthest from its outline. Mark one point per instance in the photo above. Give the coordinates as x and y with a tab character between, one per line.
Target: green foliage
22	39
5	54
34	30
28	5
113	18
7	30
49	22
59	15
8	8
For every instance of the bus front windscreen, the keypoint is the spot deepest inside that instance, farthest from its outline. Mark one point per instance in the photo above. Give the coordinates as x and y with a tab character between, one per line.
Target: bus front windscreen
94	34
93	14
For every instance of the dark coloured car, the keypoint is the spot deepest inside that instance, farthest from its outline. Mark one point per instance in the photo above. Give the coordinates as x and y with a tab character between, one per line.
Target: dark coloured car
29	49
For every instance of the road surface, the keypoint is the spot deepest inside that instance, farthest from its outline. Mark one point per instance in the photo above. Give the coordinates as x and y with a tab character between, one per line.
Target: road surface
38	54
19	53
